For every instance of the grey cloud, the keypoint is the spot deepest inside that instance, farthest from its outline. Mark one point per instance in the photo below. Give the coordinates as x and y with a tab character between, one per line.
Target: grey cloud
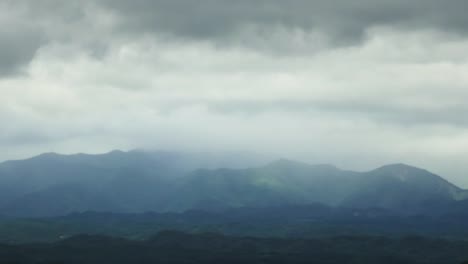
343	20
25	139
22	32
17	49
85	55
240	22
374	111
28	25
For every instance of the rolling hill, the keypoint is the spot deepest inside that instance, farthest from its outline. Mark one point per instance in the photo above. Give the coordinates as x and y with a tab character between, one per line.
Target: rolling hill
138	181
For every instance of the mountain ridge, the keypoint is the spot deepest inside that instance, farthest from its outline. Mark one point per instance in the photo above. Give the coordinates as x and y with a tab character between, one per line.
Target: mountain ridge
138	181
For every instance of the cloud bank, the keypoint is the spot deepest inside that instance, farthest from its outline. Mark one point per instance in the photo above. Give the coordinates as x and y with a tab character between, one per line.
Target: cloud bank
355	83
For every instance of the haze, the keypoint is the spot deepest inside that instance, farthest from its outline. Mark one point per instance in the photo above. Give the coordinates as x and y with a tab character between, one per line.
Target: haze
354	83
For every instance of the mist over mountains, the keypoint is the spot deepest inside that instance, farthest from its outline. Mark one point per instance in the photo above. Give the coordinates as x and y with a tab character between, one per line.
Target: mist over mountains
139	181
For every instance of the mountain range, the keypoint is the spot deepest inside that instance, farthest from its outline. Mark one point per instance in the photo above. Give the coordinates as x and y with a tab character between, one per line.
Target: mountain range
140	181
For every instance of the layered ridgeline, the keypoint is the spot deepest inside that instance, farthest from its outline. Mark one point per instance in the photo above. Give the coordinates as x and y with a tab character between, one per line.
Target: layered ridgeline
138	181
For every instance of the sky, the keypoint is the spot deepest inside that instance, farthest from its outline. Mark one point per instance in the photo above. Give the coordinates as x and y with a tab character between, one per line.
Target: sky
358	84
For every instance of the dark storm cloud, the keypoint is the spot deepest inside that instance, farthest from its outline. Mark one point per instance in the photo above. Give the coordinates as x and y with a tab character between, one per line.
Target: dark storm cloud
17	49
28	25
343	20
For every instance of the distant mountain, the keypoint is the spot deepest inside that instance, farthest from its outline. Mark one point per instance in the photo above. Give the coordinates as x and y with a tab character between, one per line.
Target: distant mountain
405	188
59	200
134	181
397	187
139	181
278	183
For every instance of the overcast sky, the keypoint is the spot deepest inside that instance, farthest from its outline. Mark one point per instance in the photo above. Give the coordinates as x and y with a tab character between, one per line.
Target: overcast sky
357	83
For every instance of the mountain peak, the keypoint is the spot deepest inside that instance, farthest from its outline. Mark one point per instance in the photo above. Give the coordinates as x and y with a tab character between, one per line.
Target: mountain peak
47	155
398	168
407	173
115	152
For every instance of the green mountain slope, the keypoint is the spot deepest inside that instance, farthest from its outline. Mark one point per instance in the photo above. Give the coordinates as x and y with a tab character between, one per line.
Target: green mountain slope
138	181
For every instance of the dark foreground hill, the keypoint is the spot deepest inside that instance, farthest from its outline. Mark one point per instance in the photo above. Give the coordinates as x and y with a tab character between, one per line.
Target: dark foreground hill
176	247
308	221
138	181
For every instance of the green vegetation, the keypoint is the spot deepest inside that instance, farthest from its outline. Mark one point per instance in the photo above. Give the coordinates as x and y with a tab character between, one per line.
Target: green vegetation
177	247
312	221
291	212
136	182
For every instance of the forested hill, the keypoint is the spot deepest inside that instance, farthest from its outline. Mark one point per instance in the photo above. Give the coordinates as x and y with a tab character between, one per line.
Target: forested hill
138	181
176	247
